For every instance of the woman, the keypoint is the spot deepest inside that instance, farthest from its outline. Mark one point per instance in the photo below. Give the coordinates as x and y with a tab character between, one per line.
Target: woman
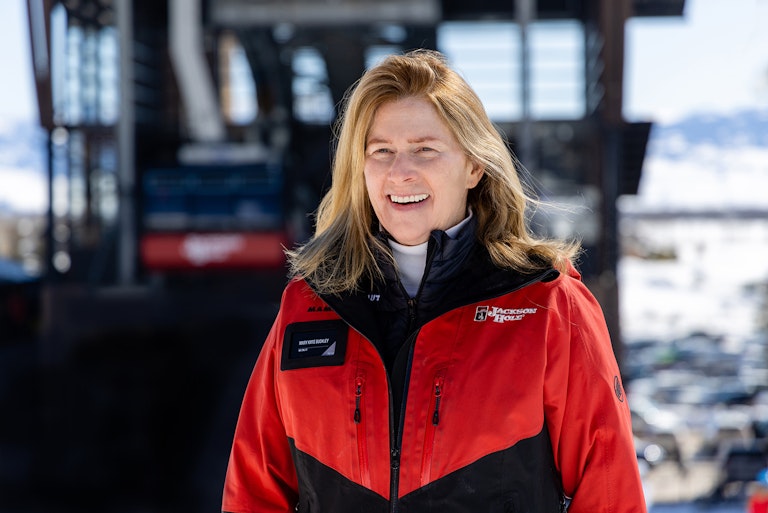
430	353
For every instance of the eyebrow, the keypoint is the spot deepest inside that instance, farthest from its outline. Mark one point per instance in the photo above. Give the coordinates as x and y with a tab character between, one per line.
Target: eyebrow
426	138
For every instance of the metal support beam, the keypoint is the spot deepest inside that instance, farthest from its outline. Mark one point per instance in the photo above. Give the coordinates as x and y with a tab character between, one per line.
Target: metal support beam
126	147
185	33
612	18
524	14
38	14
243	13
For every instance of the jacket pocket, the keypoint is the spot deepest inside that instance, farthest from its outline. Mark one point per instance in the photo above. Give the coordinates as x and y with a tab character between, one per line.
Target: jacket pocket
360	420
433	420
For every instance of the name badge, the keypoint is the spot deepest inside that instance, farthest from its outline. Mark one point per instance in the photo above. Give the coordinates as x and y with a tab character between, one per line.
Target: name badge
314	344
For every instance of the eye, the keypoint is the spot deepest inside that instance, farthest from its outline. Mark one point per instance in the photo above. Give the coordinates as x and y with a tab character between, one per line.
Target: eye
426	152
380	153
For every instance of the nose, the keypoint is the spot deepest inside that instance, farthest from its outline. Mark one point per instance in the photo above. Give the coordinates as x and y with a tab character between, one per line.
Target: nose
401	169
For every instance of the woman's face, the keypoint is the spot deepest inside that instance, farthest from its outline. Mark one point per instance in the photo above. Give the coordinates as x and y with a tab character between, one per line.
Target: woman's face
416	173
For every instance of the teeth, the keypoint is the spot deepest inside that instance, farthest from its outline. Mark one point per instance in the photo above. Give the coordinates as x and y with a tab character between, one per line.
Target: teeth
416	198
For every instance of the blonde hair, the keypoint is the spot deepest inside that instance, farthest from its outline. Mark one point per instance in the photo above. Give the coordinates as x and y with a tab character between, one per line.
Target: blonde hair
343	250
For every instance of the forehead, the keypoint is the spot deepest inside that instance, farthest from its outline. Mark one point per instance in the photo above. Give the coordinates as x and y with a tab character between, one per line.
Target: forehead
415	119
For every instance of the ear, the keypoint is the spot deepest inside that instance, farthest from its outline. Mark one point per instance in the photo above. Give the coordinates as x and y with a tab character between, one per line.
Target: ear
476	172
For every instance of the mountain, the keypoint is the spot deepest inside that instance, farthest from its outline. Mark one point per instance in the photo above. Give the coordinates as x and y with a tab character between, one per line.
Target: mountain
706	162
740	130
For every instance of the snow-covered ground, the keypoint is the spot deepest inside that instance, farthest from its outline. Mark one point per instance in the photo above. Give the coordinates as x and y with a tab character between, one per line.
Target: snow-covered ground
693	275
681	273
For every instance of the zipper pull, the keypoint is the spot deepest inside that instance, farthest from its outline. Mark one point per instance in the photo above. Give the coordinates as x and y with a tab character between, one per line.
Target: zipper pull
395	461
411	313
358	395
438	395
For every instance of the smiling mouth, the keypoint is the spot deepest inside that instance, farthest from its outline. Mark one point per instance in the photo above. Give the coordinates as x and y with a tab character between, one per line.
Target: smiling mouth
416	198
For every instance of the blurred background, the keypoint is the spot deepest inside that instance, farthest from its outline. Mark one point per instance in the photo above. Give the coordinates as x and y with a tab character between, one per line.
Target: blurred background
155	156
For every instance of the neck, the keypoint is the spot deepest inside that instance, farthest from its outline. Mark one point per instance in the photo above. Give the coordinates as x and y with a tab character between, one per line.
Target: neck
412	260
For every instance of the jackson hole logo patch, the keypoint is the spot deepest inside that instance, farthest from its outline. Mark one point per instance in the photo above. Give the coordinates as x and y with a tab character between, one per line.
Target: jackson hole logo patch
501	315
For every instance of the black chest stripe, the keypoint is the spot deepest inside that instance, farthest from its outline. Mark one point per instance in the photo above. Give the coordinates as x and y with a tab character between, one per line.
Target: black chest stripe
314	344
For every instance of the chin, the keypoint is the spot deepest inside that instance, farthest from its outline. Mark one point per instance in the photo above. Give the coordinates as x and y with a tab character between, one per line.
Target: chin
410	241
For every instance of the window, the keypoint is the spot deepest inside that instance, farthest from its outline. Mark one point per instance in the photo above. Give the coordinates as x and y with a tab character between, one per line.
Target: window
488	55
312	100
238	88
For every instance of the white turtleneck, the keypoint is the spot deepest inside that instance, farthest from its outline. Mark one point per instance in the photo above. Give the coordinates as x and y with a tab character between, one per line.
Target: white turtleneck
411	260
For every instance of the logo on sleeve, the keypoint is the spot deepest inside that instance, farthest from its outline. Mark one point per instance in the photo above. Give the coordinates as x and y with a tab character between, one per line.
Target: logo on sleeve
314	344
501	315
617	388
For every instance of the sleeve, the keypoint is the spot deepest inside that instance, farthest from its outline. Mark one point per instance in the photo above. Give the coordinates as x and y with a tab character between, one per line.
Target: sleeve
587	411
261	477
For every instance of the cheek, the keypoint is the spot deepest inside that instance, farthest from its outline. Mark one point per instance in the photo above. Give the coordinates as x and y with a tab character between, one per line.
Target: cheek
369	182
372	188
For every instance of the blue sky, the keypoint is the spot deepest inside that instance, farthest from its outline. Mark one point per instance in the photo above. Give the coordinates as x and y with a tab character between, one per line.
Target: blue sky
713	60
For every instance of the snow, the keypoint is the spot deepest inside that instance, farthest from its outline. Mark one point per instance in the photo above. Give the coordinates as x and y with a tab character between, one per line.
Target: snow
708	177
711	283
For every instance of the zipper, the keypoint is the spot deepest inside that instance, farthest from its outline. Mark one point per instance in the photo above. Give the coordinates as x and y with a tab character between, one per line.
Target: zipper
411	314
362	438
438	396
394	483
397	438
433	419
358	397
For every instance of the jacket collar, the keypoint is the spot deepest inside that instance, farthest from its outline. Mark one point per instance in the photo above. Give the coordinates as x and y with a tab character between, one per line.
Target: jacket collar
445	259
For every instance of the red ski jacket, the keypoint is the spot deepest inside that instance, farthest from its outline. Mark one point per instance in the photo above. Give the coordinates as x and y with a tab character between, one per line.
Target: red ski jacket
512	402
